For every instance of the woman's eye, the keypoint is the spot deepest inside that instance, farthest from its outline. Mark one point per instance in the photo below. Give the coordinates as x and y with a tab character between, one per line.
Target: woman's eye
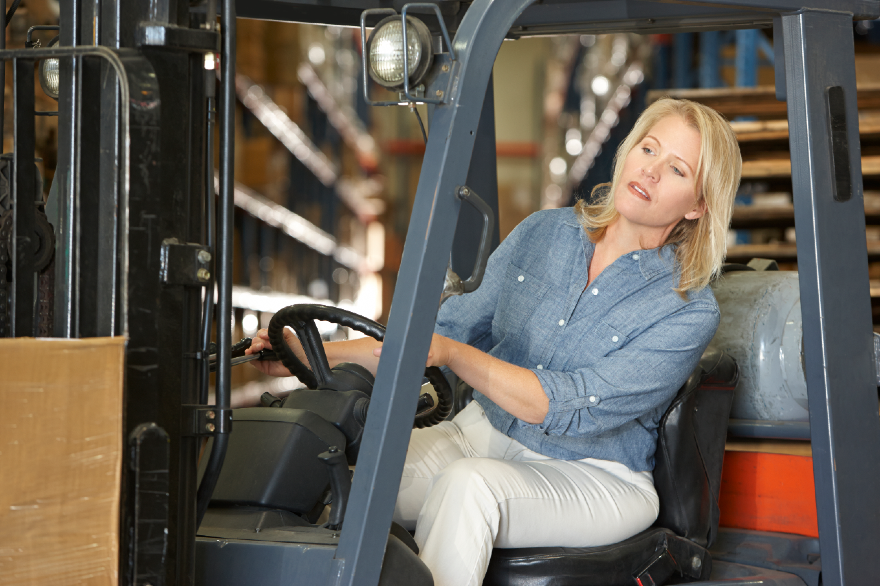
677	171
647	150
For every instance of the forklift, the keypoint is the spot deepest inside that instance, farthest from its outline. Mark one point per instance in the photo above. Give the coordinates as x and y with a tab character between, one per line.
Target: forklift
137	240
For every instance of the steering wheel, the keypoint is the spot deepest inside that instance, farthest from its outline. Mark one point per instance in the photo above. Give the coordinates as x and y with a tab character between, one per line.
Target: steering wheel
302	319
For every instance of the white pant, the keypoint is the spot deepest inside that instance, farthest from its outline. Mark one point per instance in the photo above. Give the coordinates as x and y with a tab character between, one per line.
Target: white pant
467	487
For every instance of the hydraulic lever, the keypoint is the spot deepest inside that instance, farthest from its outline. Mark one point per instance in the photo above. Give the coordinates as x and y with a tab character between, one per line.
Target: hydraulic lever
238	356
340	484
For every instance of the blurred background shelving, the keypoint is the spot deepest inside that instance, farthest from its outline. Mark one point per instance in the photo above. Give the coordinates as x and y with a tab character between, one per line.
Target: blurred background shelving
562	105
325	183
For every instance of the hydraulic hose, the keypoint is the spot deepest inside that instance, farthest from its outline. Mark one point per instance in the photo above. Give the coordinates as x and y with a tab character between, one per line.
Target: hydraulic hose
208	308
223	265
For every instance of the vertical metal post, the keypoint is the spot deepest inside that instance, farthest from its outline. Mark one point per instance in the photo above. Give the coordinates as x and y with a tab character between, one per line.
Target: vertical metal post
417	294
482	178
835	302
226	209
66	175
24	189
2	70
97	206
225	215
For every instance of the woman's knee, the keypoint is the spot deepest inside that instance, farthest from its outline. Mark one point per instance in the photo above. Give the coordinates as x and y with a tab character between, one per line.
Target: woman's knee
474	477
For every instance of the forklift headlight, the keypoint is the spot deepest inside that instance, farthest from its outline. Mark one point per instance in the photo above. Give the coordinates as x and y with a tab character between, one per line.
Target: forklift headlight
385	50
50	72
50	77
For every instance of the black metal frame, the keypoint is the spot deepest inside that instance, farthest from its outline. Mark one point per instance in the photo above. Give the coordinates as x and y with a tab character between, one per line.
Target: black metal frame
106	289
110	227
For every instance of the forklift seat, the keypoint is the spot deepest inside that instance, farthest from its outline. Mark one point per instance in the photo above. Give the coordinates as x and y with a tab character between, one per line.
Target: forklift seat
687	476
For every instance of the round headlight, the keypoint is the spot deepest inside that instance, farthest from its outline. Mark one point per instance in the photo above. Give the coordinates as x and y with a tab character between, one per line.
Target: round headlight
50	72
50	76
385	49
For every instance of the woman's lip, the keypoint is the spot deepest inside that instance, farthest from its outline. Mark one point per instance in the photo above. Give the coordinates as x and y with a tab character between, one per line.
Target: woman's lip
643	194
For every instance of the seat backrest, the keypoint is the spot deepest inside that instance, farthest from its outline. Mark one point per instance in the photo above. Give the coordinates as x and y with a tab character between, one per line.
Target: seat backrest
690	449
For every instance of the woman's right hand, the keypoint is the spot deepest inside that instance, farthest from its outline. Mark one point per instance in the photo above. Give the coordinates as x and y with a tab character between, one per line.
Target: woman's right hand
274	367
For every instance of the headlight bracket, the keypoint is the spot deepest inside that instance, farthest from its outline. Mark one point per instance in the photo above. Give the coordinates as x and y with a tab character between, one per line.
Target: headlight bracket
410	94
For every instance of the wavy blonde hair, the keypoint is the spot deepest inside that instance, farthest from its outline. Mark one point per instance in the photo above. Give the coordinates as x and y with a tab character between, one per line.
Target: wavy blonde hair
700	244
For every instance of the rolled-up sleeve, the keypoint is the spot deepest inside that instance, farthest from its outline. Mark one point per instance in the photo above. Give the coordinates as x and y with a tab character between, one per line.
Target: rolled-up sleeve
636	379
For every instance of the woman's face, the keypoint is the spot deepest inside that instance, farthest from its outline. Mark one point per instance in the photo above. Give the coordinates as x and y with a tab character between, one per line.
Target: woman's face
657	187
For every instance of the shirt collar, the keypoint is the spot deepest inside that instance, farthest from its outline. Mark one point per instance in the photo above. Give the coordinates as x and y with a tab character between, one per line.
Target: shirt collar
656	261
652	262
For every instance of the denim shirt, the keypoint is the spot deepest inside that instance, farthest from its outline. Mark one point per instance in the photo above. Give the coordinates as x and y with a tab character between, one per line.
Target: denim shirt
610	358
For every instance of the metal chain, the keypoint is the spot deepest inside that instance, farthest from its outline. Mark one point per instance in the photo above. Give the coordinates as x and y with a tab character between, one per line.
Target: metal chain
5	326
46	300
46	275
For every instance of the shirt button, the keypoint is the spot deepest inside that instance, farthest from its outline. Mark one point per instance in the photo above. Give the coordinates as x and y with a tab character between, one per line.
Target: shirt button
635	257
614	338
595	291
593	399
562	322
540	367
520	278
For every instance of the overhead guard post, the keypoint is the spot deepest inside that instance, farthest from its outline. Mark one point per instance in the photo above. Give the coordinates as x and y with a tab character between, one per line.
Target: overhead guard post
416	296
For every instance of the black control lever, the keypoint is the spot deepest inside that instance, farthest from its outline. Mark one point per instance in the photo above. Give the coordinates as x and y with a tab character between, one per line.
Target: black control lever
425	403
238	356
340	484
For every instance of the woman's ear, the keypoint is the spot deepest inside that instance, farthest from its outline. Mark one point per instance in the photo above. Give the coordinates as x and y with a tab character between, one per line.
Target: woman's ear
698	211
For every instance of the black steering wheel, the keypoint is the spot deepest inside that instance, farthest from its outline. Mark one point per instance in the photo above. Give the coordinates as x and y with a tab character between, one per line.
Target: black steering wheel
302	319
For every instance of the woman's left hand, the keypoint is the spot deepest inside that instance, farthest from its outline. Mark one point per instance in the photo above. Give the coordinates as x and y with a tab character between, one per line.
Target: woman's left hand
441	353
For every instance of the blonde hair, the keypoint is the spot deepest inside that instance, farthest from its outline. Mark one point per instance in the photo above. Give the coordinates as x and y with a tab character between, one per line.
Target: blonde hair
700	244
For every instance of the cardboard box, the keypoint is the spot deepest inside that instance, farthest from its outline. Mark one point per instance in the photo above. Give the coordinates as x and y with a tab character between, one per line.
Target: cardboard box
60	456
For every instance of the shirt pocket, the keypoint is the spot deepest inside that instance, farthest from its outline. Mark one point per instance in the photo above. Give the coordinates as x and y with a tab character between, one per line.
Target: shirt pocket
604	339
520	296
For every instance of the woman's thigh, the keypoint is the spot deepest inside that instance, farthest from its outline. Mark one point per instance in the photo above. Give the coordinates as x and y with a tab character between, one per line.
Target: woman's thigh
547	502
430	450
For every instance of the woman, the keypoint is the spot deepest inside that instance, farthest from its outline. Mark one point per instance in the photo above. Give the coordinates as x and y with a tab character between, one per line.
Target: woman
587	322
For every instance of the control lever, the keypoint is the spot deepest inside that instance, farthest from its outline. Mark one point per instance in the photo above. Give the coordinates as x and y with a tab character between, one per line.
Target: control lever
453	284
340	484
238	356
425	403
269	400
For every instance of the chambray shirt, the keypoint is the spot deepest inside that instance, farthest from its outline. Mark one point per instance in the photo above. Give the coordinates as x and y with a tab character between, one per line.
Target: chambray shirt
610	358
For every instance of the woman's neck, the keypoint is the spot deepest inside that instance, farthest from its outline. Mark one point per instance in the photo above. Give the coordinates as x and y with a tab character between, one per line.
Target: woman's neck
620	238
623	237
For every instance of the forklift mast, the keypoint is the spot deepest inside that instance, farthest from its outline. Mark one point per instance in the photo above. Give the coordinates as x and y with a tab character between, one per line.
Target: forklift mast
132	206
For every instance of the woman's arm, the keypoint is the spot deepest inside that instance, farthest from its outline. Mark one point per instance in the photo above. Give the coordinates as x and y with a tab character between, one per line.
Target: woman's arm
359	350
513	388
636	379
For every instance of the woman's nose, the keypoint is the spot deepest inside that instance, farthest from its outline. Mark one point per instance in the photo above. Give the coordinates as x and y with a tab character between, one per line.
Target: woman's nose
650	171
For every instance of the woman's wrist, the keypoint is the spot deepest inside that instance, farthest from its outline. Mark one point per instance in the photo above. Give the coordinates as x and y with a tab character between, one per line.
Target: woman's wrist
452	353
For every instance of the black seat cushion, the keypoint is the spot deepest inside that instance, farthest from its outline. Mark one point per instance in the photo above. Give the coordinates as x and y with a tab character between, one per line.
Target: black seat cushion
658	552
687	476
690	450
